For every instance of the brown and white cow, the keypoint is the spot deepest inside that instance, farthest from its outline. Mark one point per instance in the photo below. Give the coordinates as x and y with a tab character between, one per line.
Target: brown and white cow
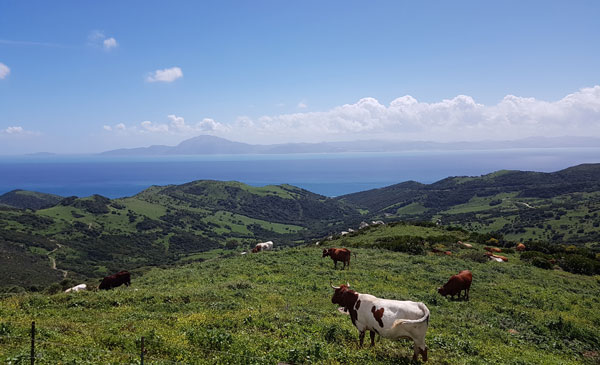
263	246
392	319
113	281
338	254
457	283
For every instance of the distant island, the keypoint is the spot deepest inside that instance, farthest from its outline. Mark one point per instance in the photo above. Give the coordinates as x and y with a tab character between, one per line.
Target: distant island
211	145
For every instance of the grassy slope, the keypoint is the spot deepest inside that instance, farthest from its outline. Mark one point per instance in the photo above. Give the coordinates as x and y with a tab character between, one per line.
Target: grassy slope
275	306
521	205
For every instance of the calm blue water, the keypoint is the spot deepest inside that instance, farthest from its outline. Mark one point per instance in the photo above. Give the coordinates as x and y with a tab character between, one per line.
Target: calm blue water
327	174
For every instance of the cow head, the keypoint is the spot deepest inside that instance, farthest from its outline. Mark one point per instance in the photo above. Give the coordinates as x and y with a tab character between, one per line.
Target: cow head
442	291
325	252
344	296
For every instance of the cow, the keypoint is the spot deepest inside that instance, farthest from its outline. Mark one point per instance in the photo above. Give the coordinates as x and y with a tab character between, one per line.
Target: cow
520	247
456	284
465	245
498	258
492	249
113	281
338	254
392	319
263	246
76	288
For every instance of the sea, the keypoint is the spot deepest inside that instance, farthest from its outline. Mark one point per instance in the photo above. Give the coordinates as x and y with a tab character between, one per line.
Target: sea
326	174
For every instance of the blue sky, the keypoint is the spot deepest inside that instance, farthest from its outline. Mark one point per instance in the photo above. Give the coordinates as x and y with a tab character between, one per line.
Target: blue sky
90	76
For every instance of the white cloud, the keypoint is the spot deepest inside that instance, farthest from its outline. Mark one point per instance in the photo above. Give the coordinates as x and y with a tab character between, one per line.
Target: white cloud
302	105
176	126
14	130
4	71
99	40
166	75
17	131
457	119
110	43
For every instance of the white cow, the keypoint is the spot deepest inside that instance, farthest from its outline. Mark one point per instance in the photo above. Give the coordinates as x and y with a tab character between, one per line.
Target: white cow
263	246
76	288
392	319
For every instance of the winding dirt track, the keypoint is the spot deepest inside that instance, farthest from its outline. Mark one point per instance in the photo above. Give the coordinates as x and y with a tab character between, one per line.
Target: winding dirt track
53	261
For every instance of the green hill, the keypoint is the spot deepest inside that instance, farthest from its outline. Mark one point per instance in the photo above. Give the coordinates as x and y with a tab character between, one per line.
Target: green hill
558	207
166	225
276	307
24	199
163	225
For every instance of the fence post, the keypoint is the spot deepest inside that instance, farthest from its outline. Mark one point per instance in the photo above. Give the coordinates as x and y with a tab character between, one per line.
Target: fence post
142	352
32	342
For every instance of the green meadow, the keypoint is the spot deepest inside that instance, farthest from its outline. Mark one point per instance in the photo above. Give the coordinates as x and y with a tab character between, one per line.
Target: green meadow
276	307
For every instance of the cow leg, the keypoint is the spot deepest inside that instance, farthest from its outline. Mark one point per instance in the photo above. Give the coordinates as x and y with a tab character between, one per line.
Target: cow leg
420	348
335	264
361	337
424	354
372	338
467	293
416	352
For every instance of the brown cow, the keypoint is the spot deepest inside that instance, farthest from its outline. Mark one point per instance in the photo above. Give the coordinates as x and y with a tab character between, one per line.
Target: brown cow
493	249
338	254
520	247
456	284
113	281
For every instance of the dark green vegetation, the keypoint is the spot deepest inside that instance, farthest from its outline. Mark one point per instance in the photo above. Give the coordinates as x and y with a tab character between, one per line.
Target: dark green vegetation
163	225
559	207
29	199
276	306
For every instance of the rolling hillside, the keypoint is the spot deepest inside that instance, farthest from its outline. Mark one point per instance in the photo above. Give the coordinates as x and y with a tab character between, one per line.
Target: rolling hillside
559	207
276	307
24	199
163	225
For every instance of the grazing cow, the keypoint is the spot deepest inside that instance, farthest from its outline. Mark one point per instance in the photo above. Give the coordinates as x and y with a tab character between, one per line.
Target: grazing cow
492	249
465	245
392	319
263	246
456	284
338	254
520	247
498	258
113	281
76	288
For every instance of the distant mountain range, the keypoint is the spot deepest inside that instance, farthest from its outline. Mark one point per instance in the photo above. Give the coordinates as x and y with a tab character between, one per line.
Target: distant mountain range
211	145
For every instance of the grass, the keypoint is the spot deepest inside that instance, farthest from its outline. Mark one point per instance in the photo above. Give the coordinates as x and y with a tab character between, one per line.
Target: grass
276	306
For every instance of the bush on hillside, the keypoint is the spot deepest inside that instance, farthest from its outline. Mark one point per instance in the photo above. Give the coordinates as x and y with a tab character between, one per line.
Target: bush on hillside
413	245
530	255
578	264
474	256
541	263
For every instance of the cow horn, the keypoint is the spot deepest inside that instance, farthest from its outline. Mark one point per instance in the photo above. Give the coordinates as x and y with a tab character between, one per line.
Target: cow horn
334	287
347	284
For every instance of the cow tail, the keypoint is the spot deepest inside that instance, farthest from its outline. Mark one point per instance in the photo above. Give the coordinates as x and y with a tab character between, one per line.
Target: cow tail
425	317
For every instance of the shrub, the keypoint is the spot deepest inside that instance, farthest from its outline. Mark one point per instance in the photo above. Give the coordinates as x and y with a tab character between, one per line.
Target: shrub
541	263
474	256
578	264
529	255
